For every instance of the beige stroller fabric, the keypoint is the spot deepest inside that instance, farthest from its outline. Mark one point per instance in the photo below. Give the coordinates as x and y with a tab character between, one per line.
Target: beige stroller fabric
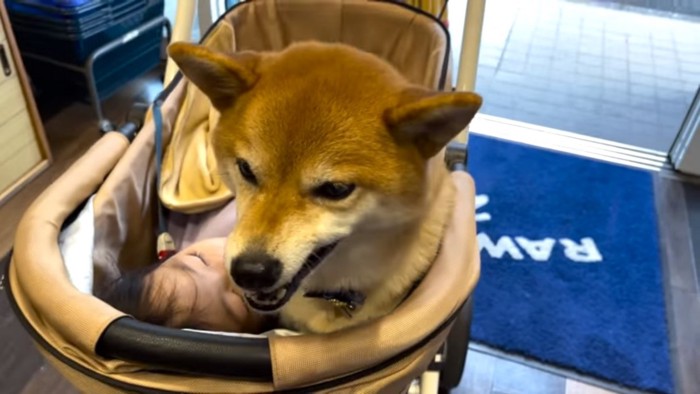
190	182
121	178
433	7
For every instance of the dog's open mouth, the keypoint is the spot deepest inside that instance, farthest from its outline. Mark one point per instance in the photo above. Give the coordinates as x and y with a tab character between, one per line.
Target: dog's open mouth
275	299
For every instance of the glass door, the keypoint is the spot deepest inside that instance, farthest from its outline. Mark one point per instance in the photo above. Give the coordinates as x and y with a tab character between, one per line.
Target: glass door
604	71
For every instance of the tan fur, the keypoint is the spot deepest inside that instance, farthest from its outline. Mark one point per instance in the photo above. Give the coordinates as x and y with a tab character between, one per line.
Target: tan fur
328	112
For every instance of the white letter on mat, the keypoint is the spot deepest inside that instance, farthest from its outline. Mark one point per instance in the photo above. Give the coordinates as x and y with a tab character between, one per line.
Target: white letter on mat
586	252
538	250
504	245
481	201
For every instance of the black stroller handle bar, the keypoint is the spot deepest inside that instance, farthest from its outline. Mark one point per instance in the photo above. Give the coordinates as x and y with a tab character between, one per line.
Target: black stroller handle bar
187	351
201	353
222	356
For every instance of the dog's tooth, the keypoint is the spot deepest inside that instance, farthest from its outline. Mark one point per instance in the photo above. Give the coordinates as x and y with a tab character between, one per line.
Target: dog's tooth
281	293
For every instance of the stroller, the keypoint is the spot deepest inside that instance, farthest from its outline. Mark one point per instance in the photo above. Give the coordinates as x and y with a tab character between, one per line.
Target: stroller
109	197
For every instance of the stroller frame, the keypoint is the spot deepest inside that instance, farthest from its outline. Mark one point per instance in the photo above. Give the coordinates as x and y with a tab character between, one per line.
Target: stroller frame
128	339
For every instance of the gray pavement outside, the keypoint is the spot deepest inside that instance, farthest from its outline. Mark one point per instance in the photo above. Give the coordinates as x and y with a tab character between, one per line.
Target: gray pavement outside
621	75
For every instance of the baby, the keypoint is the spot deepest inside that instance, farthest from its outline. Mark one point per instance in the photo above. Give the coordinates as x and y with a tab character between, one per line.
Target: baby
191	289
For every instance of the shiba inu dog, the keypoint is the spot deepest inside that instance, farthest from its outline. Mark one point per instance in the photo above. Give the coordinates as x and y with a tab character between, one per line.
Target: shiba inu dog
341	190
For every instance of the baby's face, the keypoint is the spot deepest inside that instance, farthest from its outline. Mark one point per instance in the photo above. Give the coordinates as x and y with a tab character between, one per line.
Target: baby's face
197	291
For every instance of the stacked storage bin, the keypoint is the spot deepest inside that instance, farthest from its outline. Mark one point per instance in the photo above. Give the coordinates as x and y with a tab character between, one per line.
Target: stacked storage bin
57	37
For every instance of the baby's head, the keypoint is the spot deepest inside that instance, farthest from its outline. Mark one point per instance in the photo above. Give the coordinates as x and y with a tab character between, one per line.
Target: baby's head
191	289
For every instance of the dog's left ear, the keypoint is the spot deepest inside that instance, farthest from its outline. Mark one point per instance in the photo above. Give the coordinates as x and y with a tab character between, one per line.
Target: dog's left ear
222	77
431	119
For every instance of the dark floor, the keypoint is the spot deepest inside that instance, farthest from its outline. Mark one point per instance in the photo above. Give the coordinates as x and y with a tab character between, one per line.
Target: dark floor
678	205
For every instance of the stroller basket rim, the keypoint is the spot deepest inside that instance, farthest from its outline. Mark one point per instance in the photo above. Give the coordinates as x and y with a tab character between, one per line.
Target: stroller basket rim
123	345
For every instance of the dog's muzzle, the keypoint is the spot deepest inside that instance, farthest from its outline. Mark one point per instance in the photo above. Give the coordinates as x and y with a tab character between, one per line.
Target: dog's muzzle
266	299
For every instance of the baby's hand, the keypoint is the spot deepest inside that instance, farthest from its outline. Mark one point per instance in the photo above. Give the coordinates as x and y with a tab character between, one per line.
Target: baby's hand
210	251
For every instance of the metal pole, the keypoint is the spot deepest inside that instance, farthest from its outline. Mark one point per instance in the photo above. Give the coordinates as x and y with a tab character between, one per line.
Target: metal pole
182	31
209	11
106	125
430	382
469	57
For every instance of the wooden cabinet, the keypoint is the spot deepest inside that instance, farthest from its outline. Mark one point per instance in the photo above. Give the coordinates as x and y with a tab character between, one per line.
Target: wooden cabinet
24	152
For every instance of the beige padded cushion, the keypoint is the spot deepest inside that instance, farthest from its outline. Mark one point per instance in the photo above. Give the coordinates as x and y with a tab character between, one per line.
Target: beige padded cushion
190	182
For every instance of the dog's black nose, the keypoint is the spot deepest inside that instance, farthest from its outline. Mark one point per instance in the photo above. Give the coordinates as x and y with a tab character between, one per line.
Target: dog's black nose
255	270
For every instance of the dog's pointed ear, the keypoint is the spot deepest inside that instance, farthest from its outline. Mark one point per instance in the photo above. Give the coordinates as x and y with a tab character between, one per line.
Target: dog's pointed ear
431	119
222	77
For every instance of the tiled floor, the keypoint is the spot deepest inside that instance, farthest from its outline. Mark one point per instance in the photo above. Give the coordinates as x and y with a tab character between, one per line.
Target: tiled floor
491	373
686	7
624	76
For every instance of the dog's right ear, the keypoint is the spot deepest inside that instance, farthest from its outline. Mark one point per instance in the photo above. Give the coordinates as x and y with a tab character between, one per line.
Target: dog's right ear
222	77
430	119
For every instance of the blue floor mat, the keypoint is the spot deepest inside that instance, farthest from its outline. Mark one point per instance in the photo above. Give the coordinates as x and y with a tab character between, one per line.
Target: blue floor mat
571	268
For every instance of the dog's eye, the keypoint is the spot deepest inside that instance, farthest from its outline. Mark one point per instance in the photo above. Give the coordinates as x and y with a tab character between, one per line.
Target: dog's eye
246	172
334	190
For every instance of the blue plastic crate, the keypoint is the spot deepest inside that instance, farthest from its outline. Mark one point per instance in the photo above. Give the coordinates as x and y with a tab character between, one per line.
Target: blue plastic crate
69	3
112	71
86	24
75	45
48	9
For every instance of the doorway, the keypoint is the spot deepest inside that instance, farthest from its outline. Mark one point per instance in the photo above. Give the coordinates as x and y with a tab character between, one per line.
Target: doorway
620	73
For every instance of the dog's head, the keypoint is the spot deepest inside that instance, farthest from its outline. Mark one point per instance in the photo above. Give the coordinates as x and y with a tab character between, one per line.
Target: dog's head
318	141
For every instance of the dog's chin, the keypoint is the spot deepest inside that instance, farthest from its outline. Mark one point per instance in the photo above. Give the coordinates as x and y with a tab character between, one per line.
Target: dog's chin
273	300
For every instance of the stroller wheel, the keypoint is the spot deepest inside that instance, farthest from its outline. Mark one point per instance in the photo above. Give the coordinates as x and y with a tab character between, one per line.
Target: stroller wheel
456	156
457	345
106	126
